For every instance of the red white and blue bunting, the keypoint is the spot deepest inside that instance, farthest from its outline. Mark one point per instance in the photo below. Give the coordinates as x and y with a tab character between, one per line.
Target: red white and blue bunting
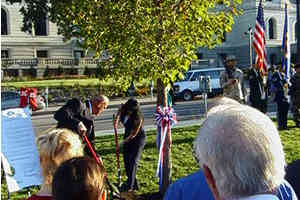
165	118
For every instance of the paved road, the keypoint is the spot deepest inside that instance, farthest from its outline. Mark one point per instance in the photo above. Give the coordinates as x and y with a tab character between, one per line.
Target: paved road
188	113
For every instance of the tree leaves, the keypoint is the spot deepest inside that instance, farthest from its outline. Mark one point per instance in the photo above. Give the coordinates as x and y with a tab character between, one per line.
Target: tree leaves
146	38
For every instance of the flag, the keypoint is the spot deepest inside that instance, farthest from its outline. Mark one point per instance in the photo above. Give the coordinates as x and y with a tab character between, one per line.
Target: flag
259	40
285	48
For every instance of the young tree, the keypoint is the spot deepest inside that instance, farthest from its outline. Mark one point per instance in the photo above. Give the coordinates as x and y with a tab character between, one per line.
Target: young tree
146	38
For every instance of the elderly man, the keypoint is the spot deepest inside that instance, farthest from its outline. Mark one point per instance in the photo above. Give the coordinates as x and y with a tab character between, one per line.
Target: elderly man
195	186
231	80
241	157
78	116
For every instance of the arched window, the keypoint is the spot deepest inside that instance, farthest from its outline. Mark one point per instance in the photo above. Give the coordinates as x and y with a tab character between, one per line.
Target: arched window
273	59
4	28
40	27
271	31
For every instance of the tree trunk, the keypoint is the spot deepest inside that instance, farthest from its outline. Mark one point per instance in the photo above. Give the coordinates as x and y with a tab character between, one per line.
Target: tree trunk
167	164
161	94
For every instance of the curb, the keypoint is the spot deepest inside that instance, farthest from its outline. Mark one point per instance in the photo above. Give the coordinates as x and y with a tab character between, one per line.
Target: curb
47	112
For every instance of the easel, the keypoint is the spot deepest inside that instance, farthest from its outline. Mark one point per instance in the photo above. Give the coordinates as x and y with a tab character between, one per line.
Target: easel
4	174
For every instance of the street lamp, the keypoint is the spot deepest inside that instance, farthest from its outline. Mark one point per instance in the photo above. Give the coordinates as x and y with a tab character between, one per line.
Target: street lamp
250	33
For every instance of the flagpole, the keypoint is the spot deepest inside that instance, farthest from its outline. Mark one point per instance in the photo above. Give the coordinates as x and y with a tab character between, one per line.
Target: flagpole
298	31
250	44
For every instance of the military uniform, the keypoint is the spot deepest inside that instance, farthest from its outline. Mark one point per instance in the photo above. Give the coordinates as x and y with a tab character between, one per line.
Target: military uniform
235	91
281	99
257	91
295	97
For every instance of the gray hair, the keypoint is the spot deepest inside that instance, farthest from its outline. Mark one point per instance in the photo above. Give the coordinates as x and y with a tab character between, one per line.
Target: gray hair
221	101
242	148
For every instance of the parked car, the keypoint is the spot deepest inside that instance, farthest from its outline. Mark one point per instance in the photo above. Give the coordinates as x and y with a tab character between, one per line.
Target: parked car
189	86
10	99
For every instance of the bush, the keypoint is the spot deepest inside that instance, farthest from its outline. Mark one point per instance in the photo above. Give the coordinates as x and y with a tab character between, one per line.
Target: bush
46	72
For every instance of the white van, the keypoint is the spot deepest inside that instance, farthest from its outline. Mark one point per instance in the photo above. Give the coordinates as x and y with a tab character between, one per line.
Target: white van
189	86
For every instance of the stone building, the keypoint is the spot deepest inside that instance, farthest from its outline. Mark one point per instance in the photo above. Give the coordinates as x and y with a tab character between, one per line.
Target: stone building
23	53
237	41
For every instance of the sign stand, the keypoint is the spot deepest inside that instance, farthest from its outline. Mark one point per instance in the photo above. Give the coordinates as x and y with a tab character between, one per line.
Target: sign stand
205	88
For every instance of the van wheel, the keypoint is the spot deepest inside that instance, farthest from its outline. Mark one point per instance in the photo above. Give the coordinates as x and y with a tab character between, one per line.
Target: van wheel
187	95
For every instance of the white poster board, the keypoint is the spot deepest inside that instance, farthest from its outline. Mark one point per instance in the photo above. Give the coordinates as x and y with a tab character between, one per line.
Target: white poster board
19	153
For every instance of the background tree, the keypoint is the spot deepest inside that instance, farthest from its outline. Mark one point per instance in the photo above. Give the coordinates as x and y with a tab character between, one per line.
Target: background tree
155	39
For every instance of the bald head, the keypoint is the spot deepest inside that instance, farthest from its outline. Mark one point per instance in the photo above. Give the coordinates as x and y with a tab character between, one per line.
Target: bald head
242	149
99	104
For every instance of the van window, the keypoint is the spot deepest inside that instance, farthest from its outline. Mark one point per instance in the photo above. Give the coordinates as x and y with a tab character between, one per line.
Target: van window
187	76
213	74
197	75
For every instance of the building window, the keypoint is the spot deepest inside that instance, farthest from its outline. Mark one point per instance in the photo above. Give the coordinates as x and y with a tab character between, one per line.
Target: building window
293	57
199	55
42	54
4	54
296	31
4	28
40	27
79	54
272	29
221	59
273	59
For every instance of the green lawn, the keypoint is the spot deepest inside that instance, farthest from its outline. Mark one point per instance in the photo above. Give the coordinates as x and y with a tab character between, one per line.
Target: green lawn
183	161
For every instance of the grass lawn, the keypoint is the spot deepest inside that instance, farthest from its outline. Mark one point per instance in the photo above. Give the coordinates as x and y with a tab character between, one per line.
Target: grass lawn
182	159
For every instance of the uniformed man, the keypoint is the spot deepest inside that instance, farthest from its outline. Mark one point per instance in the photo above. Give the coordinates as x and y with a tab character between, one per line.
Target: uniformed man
281	98
257	89
231	80
295	94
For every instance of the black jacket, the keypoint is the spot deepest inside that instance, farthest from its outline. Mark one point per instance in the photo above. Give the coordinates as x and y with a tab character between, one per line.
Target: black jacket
256	87
278	81
73	112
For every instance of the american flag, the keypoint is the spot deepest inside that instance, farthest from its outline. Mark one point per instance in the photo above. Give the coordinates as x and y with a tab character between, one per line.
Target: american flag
259	40
286	62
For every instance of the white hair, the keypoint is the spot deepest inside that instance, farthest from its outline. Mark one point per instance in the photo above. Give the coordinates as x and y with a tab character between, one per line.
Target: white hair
242	148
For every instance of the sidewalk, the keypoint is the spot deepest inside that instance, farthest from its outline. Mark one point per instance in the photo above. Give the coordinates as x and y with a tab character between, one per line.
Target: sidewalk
113	103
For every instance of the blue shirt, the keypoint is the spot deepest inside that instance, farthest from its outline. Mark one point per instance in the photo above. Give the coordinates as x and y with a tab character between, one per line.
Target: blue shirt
191	187
194	187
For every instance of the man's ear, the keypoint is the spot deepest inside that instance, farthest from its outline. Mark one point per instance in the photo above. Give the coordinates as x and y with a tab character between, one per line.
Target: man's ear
211	182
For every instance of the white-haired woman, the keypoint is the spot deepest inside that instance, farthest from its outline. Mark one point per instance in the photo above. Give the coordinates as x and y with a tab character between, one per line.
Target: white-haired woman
55	147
